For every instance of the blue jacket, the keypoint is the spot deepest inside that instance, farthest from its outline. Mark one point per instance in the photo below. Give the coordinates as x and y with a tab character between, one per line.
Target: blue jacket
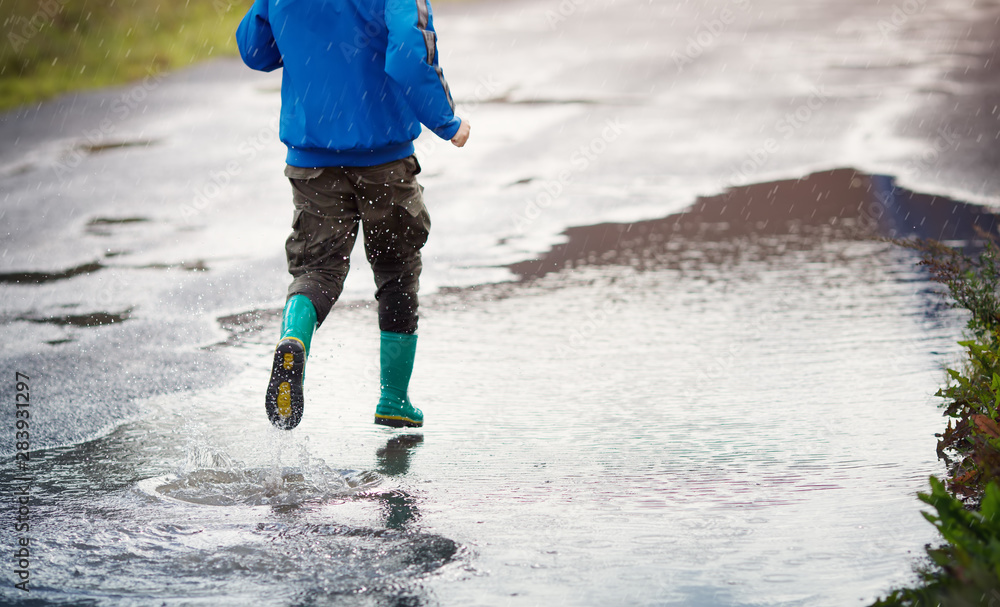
360	76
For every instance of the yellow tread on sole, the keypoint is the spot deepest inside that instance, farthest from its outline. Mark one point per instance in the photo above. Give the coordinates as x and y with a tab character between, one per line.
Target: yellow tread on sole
285	399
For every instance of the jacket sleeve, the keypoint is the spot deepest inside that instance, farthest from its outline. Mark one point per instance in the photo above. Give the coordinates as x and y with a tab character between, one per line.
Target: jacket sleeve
411	60
256	41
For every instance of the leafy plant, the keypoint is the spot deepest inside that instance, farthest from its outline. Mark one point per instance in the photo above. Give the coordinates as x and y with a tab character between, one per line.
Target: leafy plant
966	570
972	283
971	442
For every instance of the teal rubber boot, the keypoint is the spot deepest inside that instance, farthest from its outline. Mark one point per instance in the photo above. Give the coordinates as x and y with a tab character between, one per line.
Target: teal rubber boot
284	400
394	409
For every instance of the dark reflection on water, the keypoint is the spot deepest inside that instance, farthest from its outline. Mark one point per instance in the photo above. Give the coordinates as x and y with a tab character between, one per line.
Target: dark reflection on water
44	277
761	221
394	460
94	319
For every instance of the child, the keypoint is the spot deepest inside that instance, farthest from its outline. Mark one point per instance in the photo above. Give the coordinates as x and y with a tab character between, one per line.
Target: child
359	78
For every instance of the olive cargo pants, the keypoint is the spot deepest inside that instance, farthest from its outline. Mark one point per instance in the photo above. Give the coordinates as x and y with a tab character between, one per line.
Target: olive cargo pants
330	204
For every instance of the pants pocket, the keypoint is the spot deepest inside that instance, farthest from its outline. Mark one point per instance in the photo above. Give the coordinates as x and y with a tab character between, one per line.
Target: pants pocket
413	222
296	244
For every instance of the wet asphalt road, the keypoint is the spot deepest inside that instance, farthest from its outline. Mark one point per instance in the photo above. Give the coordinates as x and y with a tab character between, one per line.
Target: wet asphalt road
143	226
161	204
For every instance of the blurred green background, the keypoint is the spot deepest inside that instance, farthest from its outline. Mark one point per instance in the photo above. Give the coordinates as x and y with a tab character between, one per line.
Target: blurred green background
54	46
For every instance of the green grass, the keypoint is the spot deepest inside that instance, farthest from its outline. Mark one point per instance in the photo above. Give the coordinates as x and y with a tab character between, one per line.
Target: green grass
50	47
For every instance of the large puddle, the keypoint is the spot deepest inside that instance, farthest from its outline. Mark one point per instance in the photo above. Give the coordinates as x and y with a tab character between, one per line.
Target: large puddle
729	406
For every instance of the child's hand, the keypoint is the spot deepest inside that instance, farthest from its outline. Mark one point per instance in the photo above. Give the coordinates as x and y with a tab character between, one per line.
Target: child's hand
462	135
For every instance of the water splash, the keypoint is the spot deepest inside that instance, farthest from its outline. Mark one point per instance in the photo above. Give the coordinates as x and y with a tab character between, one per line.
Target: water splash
212	477
261	487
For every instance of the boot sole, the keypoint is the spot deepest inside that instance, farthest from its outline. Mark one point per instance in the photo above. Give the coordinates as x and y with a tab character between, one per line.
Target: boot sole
397	421
283	400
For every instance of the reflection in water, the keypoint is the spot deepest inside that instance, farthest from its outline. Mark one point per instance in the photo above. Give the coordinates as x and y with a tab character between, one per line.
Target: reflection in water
394	460
44	277
394	457
767	220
